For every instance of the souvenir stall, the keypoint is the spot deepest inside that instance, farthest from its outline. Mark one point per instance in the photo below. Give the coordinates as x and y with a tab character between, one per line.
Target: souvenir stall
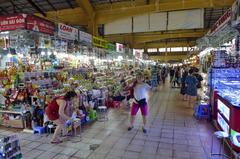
24	37
223	78
42	64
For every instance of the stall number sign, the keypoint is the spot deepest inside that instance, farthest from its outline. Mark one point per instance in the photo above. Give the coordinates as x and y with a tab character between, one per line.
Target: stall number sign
67	32
98	42
40	25
8	23
221	22
85	37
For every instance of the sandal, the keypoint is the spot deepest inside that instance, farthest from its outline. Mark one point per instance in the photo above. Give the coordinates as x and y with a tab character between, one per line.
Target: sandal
144	130
56	142
130	128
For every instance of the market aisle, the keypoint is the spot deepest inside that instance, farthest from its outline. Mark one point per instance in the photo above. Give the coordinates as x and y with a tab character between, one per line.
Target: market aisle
172	133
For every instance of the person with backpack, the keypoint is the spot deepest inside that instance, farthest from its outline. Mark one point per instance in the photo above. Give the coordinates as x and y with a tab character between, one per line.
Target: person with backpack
139	94
56	112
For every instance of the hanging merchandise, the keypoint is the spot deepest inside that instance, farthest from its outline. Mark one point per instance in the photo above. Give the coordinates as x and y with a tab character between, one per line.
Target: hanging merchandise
10	147
67	32
219	59
235	19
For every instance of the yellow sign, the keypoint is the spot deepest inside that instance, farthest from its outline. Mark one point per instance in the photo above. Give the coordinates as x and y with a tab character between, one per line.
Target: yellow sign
99	42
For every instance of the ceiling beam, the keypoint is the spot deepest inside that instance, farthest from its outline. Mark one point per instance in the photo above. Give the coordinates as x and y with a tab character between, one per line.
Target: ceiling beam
37	8
69	3
105	16
166	44
3	10
106	13
167	57
168	53
51	5
151	38
15	7
141	38
87	7
67	16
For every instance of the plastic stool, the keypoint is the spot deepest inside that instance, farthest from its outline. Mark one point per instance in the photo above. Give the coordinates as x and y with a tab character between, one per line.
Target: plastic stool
38	130
100	101
93	115
202	111
76	124
220	135
102	113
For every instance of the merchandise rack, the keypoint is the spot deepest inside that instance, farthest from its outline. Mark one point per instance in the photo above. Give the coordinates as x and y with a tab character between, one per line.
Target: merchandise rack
10	147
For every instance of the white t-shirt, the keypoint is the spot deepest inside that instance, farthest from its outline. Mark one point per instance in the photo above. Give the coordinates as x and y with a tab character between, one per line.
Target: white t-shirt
141	90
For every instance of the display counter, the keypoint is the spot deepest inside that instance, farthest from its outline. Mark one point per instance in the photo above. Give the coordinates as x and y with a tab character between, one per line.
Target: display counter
228	117
227	110
14	119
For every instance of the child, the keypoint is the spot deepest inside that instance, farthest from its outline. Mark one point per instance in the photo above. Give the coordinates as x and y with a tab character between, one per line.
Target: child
140	90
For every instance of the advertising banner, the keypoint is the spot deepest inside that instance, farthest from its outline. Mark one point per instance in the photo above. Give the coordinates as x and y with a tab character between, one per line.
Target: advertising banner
67	32
119	48
111	47
99	42
221	22
85	37
138	53
13	22
38	24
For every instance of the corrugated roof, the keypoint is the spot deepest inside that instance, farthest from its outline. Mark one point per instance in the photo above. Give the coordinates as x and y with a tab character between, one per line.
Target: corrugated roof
24	6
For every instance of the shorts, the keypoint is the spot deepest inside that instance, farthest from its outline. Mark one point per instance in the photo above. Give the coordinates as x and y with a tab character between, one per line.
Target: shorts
119	98
135	108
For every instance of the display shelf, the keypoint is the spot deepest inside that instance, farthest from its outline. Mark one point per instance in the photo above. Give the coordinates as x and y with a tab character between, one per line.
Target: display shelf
10	147
228	117
6	119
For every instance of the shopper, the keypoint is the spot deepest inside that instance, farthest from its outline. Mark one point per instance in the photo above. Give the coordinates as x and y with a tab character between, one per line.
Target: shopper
176	78
171	72
183	84
191	88
56	113
199	77
140	90
164	74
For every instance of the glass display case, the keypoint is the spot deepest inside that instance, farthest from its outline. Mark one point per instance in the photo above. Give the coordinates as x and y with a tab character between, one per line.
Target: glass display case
225	88
230	91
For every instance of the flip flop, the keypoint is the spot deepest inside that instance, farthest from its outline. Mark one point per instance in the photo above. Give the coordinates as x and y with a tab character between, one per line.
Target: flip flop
144	130
130	128
56	142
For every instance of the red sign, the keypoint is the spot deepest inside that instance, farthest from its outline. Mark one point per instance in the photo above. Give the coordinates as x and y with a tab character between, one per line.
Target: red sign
38	24
13	22
224	19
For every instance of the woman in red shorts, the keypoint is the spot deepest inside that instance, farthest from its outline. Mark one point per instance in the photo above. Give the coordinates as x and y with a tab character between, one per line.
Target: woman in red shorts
56	112
140	90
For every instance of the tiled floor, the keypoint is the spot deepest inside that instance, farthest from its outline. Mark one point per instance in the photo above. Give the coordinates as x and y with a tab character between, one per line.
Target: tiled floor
173	133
